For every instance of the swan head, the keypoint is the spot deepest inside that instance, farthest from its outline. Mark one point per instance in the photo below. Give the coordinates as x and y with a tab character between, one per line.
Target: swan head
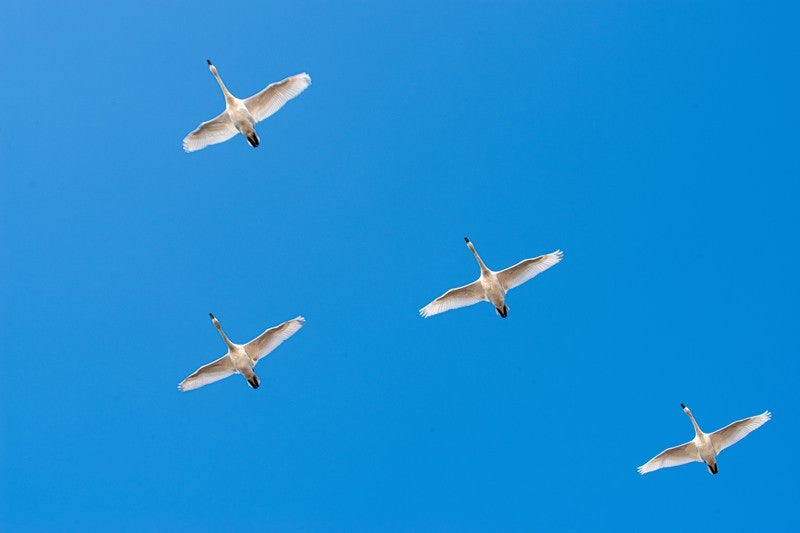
686	409
211	67
214	319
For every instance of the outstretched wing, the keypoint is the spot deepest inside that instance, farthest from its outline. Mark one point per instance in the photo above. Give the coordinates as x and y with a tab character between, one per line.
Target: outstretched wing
525	270
679	455
736	431
272	338
219	369
218	129
268	101
454	298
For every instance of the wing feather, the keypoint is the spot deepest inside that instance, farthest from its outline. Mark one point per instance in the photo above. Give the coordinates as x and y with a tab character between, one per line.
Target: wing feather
219	369
736	431
218	129
675	456
454	298
272	338
265	103
525	270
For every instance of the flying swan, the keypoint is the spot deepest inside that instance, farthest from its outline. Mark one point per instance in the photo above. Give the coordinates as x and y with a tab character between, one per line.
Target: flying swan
241	358
705	446
491	286
242	115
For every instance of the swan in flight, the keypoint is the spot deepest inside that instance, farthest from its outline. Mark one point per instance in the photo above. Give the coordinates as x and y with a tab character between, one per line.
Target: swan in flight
491	286
242	115
705	446
241	358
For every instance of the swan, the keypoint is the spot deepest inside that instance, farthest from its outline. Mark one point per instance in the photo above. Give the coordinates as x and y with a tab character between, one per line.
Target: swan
491	286
241	358
242	115
705	446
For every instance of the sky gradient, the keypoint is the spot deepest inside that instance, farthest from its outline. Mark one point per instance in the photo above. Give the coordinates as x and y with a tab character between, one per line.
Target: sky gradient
655	143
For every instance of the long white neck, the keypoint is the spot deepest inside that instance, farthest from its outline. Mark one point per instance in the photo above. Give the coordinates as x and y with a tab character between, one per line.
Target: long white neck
697	429
225	90
219	328
475	253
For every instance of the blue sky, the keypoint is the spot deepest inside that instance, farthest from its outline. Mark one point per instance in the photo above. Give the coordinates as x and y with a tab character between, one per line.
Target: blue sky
655	143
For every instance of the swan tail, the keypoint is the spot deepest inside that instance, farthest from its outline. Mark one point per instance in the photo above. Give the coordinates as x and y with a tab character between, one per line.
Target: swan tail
253	140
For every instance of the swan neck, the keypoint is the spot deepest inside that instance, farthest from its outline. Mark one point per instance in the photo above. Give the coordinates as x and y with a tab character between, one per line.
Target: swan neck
697	429
225	90
224	337
477	257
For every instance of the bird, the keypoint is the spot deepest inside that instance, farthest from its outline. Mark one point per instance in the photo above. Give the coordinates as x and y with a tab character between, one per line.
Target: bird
241	358
491	286
705	446
242	115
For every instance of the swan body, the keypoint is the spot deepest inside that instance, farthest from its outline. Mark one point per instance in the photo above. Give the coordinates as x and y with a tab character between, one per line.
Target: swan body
705	446
241	358
491	286
242	115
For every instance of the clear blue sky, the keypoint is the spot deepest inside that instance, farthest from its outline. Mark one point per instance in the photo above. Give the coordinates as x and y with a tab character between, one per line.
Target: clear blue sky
656	143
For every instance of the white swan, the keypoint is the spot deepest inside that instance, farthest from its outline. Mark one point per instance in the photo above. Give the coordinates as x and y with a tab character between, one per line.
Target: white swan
491	286
705	446
242	115
241	358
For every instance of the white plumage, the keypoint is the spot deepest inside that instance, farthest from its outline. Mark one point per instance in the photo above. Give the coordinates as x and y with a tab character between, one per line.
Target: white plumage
241	358
242	115
705	446
491	286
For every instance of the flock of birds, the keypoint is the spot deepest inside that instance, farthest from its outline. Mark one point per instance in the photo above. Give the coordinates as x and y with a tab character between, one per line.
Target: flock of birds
241	116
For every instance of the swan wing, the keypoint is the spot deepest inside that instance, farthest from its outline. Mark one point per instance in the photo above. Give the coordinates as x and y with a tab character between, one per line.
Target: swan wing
455	298
219	369
218	129
678	455
272	338
265	103
736	431
525	270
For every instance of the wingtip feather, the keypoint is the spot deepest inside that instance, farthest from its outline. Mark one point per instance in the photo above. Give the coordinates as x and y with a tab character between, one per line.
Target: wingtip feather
189	146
